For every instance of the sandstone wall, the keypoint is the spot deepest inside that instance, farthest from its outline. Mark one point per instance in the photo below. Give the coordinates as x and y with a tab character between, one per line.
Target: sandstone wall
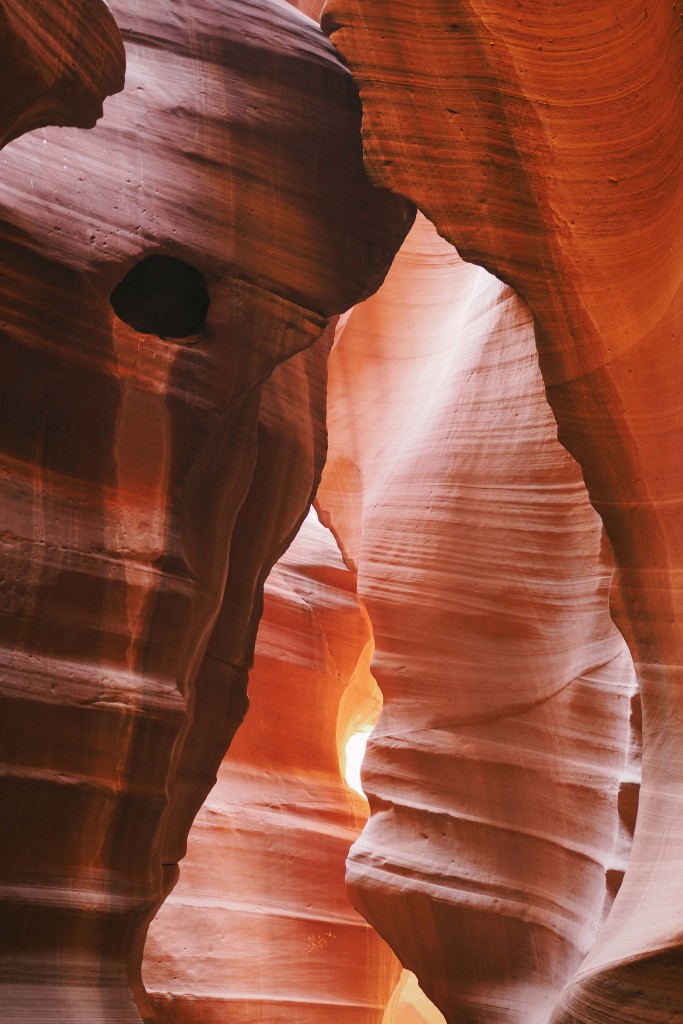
155	271
544	143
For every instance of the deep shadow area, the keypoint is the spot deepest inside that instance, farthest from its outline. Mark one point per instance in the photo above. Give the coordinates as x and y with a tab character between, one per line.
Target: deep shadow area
162	295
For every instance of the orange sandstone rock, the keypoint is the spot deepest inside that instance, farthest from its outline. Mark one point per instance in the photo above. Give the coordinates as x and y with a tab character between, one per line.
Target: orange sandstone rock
312	8
409	1004
545	143
149	479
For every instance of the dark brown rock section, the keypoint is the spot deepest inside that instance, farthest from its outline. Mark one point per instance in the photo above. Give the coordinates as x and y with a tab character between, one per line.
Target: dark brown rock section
150	482
60	59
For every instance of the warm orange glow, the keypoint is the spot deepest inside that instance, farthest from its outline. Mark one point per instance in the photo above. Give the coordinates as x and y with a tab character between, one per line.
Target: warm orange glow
354	752
409	1004
359	710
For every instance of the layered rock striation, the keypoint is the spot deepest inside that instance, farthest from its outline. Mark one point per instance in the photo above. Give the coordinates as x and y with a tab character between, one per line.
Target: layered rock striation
259	926
154	273
545	144
60	60
169	286
495	769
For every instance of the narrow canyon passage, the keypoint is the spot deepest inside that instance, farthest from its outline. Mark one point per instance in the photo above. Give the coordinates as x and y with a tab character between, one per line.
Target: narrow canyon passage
259	926
503	773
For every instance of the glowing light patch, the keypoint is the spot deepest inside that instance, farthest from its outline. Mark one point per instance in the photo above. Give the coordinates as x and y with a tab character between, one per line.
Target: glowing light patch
354	753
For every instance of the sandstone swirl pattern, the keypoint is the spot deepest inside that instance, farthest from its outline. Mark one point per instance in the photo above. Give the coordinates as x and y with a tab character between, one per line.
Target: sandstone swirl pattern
148	481
169	285
544	141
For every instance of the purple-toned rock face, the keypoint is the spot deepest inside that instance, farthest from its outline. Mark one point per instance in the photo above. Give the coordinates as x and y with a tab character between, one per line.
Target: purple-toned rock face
154	272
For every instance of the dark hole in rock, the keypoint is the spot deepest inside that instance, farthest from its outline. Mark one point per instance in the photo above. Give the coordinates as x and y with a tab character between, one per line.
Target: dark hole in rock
164	296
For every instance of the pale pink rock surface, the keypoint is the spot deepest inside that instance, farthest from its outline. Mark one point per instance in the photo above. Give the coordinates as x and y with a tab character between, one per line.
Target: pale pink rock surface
494	771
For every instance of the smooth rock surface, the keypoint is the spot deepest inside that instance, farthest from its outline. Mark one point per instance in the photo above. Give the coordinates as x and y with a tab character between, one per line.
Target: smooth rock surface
494	772
149	481
545	143
313	8
409	1004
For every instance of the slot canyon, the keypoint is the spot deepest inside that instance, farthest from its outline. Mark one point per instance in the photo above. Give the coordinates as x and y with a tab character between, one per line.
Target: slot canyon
341	421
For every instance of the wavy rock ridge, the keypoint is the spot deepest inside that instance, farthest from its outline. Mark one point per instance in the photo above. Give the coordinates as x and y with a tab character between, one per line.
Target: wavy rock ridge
480	563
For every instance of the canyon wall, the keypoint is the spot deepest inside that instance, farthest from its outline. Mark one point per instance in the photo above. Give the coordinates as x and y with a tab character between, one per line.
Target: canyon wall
60	60
545	144
259	926
154	272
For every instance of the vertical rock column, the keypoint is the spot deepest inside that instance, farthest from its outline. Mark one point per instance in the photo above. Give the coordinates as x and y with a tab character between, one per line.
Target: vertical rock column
154	273
545	143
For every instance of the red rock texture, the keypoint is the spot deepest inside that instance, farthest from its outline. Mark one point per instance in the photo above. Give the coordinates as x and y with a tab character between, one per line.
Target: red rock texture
495	769
544	143
259	926
313	8
161	438
149	480
60	59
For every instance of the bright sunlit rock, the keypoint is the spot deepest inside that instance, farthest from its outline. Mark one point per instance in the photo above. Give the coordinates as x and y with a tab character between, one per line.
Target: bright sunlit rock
354	754
409	1004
